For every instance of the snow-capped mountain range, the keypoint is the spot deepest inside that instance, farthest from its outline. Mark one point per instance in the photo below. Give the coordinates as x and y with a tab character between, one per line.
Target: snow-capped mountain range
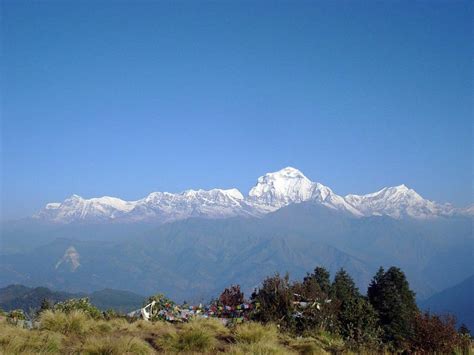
272	191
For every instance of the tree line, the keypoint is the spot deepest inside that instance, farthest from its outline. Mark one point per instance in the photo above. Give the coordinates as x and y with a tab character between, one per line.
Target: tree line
386	317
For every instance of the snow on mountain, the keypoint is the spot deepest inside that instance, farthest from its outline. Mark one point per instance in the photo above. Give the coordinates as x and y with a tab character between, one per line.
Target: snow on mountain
165	206
467	211
160	206
397	202
77	208
289	185
272	191
278	189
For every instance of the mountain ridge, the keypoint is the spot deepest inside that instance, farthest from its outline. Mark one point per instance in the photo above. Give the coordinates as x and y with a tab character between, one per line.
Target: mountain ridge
271	192
17	296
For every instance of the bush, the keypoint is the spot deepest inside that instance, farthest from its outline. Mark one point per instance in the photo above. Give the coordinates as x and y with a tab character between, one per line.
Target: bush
435	333
76	322
16	316
232	296
78	304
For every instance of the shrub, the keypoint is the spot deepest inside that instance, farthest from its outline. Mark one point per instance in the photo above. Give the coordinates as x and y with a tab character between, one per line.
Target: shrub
232	296
76	322
434	333
16	316
78	304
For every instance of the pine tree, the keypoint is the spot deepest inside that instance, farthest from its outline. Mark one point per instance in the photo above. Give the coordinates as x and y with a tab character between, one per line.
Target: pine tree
343	287
357	320
321	277
390	295
274	301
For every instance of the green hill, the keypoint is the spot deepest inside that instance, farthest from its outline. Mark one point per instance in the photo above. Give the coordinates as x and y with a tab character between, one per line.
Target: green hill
27	299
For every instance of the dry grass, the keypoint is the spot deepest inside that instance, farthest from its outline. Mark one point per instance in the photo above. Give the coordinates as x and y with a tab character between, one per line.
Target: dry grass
307	346
110	345
14	340
75	322
250	333
189	338
77	333
261	348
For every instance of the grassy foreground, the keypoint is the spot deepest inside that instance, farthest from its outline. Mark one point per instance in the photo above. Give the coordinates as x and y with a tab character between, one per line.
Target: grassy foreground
77	333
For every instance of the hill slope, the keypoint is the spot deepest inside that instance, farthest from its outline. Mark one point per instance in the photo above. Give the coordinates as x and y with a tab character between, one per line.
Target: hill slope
26	298
457	300
196	258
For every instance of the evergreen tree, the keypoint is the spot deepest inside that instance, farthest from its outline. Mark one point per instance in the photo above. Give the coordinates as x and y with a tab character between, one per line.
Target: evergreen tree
357	319
320	277
274	301
390	295
343	287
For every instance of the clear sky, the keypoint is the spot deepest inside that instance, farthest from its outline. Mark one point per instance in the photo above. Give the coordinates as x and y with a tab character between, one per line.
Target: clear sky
125	98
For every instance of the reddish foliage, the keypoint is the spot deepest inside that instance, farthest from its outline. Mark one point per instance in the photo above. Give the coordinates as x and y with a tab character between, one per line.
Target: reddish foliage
434	333
232	296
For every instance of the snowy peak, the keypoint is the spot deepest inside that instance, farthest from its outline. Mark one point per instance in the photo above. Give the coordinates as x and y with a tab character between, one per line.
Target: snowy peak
397	202
77	208
272	191
289	185
157	206
281	188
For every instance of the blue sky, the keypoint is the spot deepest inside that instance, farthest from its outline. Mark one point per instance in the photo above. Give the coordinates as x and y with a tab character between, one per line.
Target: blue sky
124	98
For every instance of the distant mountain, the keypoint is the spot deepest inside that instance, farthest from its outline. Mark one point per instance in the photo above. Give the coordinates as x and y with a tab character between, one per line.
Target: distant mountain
196	258
27	298
192	244
456	300
119	300
272	191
